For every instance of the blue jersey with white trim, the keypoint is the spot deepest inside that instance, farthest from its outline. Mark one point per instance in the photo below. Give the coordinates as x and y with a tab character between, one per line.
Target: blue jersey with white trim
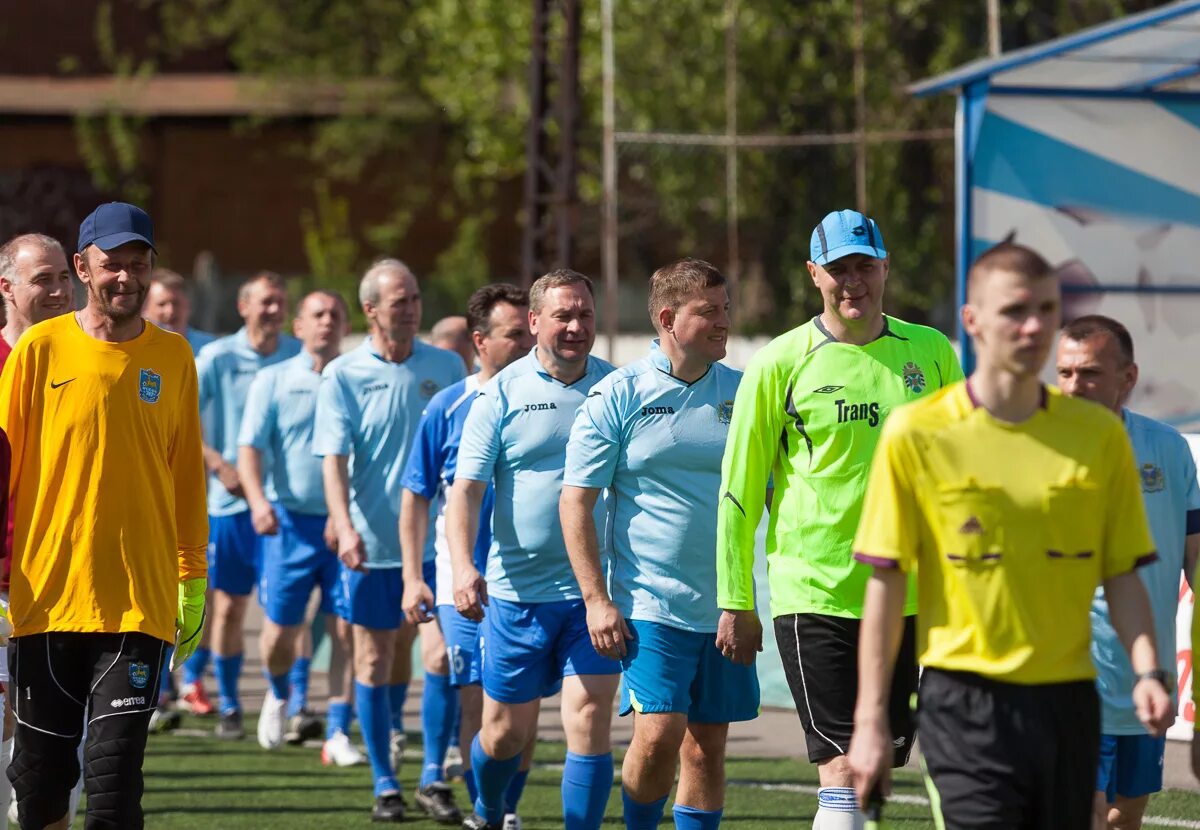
516	435
657	442
225	368
1172	498
368	409
430	472
278	422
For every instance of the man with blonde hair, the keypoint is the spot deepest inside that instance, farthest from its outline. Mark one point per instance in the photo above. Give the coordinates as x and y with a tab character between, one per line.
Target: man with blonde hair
653	433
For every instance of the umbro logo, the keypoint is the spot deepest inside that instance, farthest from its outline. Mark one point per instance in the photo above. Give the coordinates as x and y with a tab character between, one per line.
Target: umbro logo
827	390
900	742
971	527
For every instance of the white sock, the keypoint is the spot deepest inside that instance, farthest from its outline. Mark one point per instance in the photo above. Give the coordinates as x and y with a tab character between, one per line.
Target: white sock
837	809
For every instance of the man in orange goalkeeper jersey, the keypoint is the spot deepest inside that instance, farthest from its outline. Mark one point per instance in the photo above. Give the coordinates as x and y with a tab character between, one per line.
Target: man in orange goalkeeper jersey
110	528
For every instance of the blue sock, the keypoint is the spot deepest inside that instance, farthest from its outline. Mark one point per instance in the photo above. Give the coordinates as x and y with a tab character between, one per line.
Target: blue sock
492	777
512	796
639	816
229	671
469	779
166	683
278	684
438	701
586	785
337	718
397	695
298	677
689	818
196	665
372	705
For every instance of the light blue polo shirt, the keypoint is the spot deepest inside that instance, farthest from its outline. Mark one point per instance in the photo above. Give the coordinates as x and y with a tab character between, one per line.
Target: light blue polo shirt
225	368
278	422
516	436
368	409
1172	498
198	339
657	442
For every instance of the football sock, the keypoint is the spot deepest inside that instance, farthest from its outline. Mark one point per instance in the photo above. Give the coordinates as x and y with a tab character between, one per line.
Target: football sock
586	784
397	695
229	671
689	818
298	677
337	718
437	720
196	665
639	816
512	796
837	809
492	777
469	779
279	685
372	705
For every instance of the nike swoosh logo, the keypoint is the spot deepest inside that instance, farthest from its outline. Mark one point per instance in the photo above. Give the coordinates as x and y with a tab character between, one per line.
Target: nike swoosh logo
54	385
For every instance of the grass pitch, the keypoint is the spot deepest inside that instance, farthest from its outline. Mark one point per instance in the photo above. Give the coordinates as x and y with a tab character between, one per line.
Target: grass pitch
195	781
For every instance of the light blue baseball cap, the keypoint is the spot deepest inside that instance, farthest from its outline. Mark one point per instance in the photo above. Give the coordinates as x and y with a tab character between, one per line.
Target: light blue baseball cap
846	232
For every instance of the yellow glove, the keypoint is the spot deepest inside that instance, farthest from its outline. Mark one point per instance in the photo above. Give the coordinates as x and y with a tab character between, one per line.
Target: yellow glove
6	628
189	619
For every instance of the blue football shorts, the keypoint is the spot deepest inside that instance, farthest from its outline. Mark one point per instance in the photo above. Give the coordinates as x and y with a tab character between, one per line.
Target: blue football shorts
233	554
294	561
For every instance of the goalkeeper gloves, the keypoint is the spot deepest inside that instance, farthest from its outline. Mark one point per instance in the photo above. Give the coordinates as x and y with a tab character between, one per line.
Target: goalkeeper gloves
6	628
189	619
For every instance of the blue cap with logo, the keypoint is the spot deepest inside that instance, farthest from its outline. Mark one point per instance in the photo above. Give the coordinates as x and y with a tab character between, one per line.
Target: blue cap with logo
113	224
846	232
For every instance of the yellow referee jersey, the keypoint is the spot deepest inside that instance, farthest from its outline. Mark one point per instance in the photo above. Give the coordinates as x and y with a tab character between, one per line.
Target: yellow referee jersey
1009	526
107	479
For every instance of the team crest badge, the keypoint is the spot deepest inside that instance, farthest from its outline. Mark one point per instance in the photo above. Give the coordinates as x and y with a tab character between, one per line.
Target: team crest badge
1153	480
139	674
429	388
725	412
914	378
149	385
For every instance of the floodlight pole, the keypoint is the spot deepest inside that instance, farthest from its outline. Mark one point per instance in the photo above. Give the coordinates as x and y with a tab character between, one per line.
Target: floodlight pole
731	149
860	109
993	17
608	251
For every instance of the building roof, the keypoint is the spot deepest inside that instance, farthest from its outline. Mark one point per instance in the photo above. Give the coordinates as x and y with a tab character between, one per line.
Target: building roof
201	95
1154	52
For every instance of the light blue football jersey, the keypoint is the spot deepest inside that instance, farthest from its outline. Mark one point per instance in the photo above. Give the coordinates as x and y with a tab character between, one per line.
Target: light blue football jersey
225	368
657	442
198	339
368	409
1172	498
278	422
516	436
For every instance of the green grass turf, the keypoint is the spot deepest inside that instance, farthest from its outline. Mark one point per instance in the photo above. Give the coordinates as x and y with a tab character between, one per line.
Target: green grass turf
199	782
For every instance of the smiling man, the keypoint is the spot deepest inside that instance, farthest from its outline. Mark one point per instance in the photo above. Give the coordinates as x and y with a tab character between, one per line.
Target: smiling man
810	409
107	478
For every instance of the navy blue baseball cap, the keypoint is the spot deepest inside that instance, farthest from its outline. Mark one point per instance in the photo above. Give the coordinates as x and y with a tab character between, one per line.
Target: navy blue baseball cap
846	232
113	224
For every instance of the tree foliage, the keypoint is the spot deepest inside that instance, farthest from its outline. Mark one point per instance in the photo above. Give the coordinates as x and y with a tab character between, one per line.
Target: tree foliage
465	63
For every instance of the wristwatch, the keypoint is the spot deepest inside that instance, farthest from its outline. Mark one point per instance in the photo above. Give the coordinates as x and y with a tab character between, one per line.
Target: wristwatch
1155	674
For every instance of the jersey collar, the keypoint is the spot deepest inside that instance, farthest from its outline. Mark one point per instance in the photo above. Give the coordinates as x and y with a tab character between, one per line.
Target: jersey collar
1043	396
886	331
541	370
662	363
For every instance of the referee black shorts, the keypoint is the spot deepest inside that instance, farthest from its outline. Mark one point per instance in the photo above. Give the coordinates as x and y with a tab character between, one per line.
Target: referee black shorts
60	678
1004	755
820	660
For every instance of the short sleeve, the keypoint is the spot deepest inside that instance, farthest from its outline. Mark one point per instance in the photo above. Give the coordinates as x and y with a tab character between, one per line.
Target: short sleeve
258	418
1127	541
208	388
333	422
949	364
427	459
595	442
480	447
889	533
1188	463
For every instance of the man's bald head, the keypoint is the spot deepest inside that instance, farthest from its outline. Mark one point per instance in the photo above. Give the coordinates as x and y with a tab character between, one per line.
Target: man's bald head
453	335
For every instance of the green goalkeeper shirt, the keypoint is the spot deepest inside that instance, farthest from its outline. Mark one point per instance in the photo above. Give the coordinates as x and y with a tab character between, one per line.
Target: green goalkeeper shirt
809	411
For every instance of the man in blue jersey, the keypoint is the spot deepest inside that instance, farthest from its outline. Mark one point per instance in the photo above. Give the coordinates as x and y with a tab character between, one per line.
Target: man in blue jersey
225	368
535	628
169	307
275	445
654	433
498	323
368	406
1095	361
